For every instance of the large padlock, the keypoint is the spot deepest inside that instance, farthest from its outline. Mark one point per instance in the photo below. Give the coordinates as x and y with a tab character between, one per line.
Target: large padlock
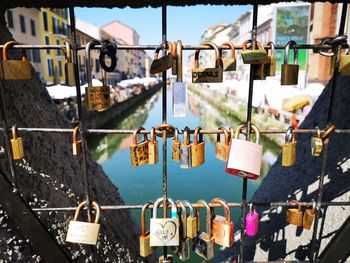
175	147
229	63
316	143
294	216
344	64
17	145
256	55
245	157
164	231
223	227
145	248
251	222
185	150
221	148
183	250
98	97
14	69
289	148
207	75
270	65
309	216
191	221
84	232
290	72
204	243
68	65
139	150
153	148
198	149
163	63
76	145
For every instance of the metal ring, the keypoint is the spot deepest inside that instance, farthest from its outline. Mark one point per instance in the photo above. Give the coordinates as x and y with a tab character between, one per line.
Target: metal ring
169	129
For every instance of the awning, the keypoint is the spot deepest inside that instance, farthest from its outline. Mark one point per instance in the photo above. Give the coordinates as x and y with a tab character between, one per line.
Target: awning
297	102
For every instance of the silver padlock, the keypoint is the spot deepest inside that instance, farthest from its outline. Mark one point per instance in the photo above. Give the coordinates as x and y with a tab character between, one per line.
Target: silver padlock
186	150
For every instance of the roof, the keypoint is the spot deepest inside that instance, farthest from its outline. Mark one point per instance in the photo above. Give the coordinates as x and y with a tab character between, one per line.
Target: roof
87	28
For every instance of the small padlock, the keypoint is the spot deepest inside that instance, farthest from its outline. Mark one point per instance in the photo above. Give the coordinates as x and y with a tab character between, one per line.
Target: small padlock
294	216
290	72
169	259
191	221
316	144
164	231
17	145
153	148
253	56
84	232
309	216
161	64
183	250
245	157
229	64
251	222
145	248
139	150
259	71
207	75
14	69
221	148
76	146
175	147
179	87
198	149
223	227
174	54
68	65
289	148
185	150
270	65
344	64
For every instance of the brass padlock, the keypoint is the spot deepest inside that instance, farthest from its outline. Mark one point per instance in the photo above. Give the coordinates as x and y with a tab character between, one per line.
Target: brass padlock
17	145
257	55
309	216
183	250
68	65
14	69
207	75
344	64
229	64
139	150
198	149
98	97
289	148
222	148
84	232
316	144
259	71
161	64
169	259
270	65
145	248
175	147
294	216
174	54
153	148
191	221
290	72
76	146
185	150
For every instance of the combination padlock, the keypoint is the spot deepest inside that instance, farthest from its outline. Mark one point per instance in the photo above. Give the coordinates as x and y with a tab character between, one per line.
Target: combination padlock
145	248
76	146
68	65
198	149
289	148
222	148
153	148
229	63
316	144
163	63
139	150
16	145
223	228
251	222
290	72
186	150
294	216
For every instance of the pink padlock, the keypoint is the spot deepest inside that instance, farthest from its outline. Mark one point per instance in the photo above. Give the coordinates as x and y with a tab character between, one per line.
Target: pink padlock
252	222
244	156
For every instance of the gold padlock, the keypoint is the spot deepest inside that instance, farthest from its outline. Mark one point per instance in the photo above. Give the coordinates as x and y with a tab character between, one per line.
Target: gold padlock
309	216
222	148
17	145
191	221
257	55
290	72
14	69
84	232
68	65
174	54
76	146
344	64
164	63
198	149
207	75
175	147
294	216
229	64
270	66
316	144
139	150
289	148
145	248
153	148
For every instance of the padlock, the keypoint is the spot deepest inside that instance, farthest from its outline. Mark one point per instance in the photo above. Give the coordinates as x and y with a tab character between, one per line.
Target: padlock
68	65
17	145
257	55
139	150
163	63
207	75
175	147
169	259
76	146
223	227
294	216
244	158
183	250
344	64
221	148
191	221
84	232
174	54
270	65
309	216
153	148
290	72
164	231
14	69
179	87
229	64
98	97
182	214
258	71
204	243
145	248
251	222
316	144
289	148
185	150
197	149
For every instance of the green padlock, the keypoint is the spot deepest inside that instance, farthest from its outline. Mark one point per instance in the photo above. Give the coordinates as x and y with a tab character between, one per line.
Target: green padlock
254	56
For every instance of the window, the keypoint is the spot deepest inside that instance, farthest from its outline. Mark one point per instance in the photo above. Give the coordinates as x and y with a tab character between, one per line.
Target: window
46	26
10	19
36	56
55	26
32	27
22	23
47	42
97	63
29	55
60	68
59	51
50	67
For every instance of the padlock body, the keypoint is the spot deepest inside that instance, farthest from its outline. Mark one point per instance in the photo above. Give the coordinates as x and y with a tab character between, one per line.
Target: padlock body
223	233
161	64
289	153
221	151
153	152
174	66
17	148
270	66
344	65
198	154
207	75
139	153
164	232
145	248
259	72
308	218
316	146
204	246
76	147
229	64
82	232
257	56
185	156
69	72
252	224
15	70
175	150
191	227
244	159
294	217
169	259
290	74
98	98
184	250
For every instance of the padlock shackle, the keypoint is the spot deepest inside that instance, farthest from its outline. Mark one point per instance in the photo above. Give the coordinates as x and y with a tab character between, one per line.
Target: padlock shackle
92	43
254	128
225	134
297	203
136	132
327	132
196	132
258	45
183	212
318	132
161	47
94	206
250	208
290	44
68	51
314	206
232	133
143	217
75	134
160	200
179	60
11	44
173	50
153	135
224	204
176	135
270	46
230	45
218	60
289	135
188	204
186	136
14	132
208	217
